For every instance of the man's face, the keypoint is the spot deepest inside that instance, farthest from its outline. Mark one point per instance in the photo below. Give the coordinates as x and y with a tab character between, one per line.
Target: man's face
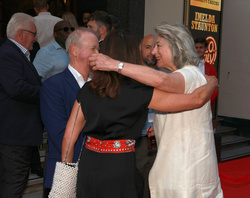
62	31
200	50
85	18
29	36
89	46
93	26
147	45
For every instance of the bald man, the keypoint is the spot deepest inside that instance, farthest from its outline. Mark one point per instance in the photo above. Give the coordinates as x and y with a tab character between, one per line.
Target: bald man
53	59
146	48
145	157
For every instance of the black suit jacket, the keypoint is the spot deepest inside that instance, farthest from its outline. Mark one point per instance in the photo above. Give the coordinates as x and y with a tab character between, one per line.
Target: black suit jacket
20	120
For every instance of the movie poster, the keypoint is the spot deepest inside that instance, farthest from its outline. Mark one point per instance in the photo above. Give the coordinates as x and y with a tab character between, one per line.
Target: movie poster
203	18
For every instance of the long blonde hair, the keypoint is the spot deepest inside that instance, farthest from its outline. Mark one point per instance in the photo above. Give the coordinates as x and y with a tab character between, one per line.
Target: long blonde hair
70	17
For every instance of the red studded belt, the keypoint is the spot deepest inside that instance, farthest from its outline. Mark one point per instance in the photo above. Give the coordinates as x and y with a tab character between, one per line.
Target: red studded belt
110	146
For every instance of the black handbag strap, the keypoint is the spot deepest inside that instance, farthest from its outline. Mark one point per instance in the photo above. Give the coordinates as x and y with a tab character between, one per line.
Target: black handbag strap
71	137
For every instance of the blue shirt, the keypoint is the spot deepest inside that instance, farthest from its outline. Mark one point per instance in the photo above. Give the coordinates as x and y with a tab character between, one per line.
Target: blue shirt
50	60
149	122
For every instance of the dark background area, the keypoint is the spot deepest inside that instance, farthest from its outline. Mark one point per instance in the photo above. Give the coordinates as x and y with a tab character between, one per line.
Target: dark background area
129	12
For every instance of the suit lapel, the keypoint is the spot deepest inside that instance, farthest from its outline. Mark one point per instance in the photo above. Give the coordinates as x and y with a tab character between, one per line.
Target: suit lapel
29	64
71	79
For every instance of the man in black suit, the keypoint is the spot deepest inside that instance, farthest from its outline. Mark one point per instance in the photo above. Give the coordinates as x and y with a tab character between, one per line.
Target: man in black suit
20	122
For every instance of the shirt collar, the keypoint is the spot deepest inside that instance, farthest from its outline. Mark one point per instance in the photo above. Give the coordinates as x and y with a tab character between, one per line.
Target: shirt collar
202	61
77	76
44	13
57	46
22	48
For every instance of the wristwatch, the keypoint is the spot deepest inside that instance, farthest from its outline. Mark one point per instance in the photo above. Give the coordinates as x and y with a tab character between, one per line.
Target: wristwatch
120	66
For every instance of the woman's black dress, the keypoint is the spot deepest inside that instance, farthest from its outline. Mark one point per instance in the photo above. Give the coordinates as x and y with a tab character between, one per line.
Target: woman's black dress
112	175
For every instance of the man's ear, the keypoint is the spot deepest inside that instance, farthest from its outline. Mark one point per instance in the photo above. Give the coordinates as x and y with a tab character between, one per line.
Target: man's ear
103	30
19	34
74	50
140	47
55	34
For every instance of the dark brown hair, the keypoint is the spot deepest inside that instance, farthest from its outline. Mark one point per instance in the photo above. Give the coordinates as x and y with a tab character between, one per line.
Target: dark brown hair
201	40
102	18
120	45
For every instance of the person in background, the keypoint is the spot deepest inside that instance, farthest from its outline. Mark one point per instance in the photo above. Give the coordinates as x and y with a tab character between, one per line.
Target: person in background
186	164
101	23
21	126
113	113
45	22
53	59
144	155
206	68
85	18
70	17
58	95
116	23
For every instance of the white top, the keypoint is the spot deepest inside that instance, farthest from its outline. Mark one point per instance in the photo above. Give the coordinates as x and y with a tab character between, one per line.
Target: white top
45	23
186	163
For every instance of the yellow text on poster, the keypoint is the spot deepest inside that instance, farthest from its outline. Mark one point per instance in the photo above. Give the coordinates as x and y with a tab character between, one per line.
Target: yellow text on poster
208	4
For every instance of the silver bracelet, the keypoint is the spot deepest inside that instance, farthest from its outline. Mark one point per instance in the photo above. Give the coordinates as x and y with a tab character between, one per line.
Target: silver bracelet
120	66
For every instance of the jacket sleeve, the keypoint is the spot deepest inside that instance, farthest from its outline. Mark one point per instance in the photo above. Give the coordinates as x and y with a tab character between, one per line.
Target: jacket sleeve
18	80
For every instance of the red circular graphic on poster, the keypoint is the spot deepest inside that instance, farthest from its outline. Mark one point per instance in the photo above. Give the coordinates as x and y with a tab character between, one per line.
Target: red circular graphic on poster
211	53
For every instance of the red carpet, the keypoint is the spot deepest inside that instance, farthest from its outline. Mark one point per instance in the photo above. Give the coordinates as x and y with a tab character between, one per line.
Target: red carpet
235	178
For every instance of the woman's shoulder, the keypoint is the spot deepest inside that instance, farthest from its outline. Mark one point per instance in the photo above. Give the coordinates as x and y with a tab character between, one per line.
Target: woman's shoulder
190	70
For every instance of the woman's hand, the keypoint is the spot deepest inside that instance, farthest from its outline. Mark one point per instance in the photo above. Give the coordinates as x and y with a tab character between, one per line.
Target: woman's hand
150	131
102	62
213	81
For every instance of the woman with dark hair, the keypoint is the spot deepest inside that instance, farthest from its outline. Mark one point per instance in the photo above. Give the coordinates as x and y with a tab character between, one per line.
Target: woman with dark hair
112	115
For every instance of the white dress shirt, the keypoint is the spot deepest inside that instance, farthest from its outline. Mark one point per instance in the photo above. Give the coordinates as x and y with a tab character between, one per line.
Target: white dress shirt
78	76
202	66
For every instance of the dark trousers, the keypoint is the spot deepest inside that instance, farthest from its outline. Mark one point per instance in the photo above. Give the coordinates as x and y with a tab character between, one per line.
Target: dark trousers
35	162
46	192
14	170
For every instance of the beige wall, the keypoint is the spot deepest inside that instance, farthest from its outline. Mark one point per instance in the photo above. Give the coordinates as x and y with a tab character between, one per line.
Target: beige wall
157	11
234	75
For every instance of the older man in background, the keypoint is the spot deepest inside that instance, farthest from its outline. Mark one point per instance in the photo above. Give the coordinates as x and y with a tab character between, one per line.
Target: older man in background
21	126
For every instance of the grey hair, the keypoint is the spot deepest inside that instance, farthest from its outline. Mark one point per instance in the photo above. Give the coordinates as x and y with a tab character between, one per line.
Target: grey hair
77	38
18	21
180	42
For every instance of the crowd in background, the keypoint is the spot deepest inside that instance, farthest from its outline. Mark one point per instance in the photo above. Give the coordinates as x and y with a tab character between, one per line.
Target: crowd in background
46	60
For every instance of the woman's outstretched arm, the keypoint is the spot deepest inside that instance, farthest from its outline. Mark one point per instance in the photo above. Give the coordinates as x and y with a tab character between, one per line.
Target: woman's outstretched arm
79	124
146	75
170	102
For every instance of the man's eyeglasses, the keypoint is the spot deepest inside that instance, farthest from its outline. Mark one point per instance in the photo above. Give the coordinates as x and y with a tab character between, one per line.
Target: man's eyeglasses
66	29
34	33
